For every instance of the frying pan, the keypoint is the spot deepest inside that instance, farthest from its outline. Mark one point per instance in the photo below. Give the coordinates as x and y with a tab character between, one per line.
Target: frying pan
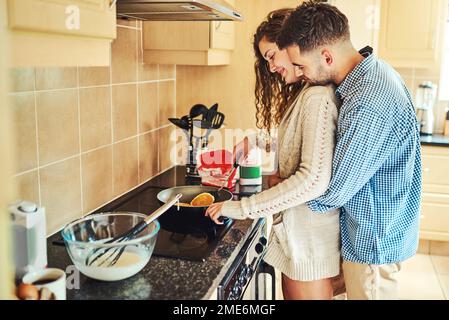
185	219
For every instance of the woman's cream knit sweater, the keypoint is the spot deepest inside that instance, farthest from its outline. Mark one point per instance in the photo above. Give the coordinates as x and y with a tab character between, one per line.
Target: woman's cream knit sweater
305	245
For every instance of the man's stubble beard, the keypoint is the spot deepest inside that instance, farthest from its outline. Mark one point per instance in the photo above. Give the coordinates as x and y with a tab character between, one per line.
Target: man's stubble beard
325	80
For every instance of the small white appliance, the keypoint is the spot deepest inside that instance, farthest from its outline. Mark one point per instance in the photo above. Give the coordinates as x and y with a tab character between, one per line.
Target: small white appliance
29	237
425	100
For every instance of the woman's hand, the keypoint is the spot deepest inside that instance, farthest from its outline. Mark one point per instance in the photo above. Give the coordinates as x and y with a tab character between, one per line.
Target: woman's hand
214	212
274	180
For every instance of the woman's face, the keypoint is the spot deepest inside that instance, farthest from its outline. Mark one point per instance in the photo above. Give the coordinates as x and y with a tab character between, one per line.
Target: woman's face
278	61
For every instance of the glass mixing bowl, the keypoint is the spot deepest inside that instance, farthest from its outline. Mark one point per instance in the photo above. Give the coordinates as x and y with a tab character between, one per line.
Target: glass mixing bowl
85	235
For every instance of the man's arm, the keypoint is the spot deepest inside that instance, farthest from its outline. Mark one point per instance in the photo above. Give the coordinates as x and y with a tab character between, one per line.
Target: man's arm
366	141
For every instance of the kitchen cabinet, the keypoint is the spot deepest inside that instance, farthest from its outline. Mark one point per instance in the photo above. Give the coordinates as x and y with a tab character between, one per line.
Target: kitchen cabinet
364	21
204	43
434	223
61	32
412	32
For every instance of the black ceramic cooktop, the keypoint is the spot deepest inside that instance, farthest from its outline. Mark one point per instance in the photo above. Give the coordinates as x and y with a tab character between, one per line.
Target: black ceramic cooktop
195	245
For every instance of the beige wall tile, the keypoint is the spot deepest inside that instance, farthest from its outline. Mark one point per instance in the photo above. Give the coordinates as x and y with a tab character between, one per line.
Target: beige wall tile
97	178
405	72
166	71
125	166
61	193
22	79
95	117
94	76
24	123
124	56
439	248
148	156
167	102
124	108
146	71
428	73
56	78
148	107
409	82
58	133
28	187
167	151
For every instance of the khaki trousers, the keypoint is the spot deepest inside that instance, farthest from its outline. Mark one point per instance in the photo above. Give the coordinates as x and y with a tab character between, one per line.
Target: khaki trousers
371	282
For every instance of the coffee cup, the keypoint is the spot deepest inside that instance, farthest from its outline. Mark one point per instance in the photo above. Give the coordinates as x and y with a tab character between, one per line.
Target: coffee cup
52	279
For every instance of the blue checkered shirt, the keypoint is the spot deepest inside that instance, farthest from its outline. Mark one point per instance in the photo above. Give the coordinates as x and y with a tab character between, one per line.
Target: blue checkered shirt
376	174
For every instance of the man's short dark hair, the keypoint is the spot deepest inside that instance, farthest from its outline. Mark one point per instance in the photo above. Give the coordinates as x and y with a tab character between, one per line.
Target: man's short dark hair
314	24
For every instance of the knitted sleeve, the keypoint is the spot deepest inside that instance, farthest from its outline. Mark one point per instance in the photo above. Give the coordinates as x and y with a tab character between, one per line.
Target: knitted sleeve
317	125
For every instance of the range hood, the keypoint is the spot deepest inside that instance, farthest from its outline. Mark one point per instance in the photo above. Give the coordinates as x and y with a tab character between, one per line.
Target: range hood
177	10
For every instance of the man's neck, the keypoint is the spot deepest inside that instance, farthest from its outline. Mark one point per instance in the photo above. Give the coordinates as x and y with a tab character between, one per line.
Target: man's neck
352	59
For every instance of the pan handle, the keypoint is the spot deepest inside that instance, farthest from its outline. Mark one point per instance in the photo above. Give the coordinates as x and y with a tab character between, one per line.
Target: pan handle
163	209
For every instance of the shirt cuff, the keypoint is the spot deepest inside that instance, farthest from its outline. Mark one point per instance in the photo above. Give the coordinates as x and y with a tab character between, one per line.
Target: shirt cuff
315	206
233	209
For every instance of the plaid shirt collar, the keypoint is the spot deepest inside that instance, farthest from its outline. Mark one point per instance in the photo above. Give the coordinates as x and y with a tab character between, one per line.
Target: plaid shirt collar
345	88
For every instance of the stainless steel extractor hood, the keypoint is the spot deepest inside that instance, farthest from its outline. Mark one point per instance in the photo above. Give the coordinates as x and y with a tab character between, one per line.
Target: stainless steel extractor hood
177	10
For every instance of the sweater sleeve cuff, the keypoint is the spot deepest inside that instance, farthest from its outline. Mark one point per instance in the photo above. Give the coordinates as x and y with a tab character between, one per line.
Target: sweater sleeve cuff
233	209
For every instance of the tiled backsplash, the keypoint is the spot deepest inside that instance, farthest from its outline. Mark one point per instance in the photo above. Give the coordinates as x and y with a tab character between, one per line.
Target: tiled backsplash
87	135
413	78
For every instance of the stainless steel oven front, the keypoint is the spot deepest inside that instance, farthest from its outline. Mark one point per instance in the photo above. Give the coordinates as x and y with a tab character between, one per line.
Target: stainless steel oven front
249	277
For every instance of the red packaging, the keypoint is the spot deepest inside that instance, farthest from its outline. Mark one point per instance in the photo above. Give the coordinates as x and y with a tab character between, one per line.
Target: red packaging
215	167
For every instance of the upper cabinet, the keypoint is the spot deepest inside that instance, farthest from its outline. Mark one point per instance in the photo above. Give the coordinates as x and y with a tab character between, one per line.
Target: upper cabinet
188	42
61	32
412	32
364	21
205	43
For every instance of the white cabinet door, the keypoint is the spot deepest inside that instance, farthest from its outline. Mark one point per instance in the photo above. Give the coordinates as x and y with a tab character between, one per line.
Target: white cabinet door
61	32
364	21
91	18
411	32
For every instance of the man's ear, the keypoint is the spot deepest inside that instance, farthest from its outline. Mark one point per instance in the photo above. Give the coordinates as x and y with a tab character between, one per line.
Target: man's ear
327	57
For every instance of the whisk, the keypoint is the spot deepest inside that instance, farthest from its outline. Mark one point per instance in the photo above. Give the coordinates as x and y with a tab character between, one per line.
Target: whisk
114	252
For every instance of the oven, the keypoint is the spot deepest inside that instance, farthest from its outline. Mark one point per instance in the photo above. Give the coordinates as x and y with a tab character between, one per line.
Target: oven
249	277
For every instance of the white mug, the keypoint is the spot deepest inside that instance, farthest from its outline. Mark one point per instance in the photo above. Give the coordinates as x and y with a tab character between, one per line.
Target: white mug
53	279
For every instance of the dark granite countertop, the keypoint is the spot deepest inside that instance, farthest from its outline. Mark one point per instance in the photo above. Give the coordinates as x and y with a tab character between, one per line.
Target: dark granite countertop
162	278
436	140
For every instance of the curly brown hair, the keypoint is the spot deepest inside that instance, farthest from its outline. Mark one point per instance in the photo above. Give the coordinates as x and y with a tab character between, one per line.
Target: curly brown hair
273	96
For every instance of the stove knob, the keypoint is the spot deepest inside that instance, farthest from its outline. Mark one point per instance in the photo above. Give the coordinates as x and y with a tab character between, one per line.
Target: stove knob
259	248
243	280
231	296
263	241
249	272
237	291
